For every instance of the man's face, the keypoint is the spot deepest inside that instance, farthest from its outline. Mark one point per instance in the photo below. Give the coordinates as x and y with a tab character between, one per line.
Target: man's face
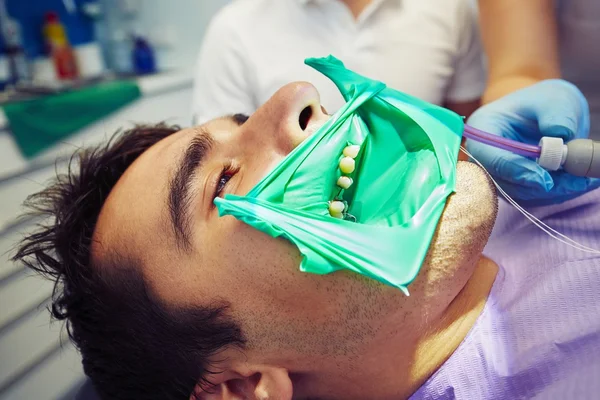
162	212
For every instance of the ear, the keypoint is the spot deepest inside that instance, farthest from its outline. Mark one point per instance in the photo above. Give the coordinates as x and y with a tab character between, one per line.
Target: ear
248	382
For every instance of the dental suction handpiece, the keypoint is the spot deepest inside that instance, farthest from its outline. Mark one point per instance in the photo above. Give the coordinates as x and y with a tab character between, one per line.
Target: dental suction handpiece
580	157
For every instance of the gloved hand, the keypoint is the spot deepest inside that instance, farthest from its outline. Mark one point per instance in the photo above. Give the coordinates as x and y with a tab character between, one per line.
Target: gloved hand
549	108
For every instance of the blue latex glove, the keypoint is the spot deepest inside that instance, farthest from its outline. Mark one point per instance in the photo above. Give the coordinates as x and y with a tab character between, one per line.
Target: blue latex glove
549	108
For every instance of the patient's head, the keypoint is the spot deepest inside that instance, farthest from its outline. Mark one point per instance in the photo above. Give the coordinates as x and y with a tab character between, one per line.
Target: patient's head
162	295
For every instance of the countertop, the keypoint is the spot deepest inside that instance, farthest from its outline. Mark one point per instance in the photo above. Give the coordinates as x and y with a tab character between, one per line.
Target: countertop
150	106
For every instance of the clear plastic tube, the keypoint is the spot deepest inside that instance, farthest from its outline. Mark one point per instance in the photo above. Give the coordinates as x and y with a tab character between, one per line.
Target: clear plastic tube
523	149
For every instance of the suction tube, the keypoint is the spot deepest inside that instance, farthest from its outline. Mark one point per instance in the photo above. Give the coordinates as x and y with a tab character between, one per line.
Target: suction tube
579	157
522	149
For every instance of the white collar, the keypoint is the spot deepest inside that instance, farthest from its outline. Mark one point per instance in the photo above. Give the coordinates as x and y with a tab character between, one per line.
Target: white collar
305	2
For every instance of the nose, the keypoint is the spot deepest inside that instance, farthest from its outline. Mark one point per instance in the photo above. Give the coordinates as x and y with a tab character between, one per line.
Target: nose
292	114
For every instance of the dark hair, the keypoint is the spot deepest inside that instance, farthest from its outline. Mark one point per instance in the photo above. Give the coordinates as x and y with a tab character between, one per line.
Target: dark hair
133	347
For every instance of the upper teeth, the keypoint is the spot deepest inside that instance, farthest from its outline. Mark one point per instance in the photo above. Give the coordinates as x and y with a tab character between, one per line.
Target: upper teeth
344	182
337	208
351	151
347	165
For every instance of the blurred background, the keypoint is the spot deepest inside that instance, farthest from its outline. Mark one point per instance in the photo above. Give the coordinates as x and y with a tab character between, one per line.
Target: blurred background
133	60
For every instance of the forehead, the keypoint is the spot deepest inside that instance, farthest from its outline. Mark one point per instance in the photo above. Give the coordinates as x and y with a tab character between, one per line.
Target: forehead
134	217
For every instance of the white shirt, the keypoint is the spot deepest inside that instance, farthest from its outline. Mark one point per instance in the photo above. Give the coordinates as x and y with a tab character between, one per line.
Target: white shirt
427	48
579	35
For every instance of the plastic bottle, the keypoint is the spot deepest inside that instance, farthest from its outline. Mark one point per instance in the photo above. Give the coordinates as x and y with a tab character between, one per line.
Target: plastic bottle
4	69
143	57
120	49
59	48
13	47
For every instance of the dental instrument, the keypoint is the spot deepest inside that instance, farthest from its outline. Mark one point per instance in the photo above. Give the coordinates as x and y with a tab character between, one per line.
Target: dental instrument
579	157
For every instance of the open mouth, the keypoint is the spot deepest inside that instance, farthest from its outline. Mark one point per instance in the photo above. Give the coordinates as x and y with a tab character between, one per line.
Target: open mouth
362	190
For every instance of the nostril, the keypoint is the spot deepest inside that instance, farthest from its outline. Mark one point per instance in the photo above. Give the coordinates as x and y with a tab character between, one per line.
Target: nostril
305	117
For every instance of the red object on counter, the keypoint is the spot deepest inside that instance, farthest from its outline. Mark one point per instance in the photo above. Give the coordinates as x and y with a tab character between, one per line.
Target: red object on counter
59	48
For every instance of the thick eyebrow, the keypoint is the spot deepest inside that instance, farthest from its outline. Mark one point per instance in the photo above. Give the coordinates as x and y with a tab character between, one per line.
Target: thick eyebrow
180	186
180	193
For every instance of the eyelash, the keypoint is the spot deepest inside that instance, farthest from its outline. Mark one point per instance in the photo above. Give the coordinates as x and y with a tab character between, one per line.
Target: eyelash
226	174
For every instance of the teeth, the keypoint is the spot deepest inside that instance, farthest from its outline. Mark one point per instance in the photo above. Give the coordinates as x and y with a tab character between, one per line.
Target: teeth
337	215
344	182
351	151
336	207
347	165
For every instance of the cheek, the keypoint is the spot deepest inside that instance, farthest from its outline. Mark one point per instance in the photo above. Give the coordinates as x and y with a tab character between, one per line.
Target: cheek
261	273
251	260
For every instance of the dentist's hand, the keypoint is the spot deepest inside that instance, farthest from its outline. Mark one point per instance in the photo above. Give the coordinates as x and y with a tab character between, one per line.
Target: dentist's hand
548	108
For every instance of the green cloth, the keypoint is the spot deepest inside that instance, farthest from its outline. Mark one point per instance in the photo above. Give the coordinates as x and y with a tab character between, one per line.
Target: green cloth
42	122
405	171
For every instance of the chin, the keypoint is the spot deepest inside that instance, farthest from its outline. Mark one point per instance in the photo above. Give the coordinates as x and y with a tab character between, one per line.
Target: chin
475	197
470	213
462	233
